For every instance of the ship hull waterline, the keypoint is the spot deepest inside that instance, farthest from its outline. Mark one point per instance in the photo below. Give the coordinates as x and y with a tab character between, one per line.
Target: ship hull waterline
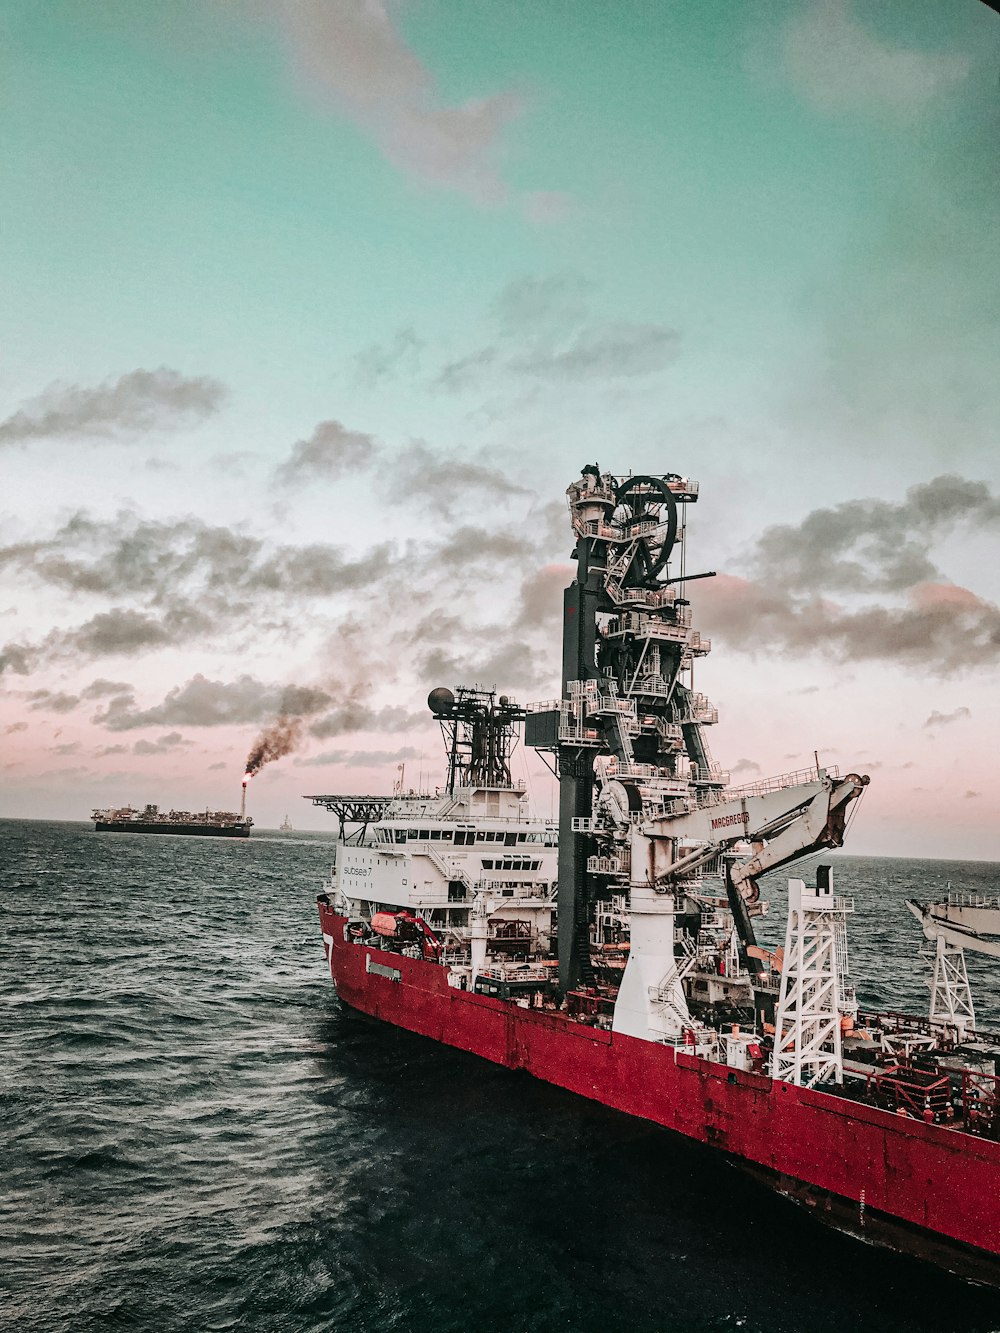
184	830
922	1190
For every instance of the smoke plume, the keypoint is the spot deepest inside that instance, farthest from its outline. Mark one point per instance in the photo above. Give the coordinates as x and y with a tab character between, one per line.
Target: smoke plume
274	742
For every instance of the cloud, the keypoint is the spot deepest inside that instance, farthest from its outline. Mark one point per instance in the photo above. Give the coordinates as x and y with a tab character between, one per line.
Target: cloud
111	749
13	727
125	632
541	597
529	304
857	581
71	747
447	481
18	658
162	746
379	362
52	702
330	452
839	65
972	795
193	581
353	53
465	371
215	768
100	688
201	702
544	330
359	758
745	766
610	351
182	583
937	627
142	400
873	545
937	719
354	716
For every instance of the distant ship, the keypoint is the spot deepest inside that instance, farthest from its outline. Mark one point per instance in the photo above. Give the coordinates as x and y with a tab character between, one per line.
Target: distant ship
286	826
151	819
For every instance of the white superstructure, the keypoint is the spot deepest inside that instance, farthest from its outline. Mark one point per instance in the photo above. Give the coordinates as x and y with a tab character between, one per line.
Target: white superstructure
472	865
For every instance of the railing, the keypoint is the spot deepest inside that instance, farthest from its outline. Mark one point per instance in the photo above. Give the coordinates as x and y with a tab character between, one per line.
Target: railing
779	783
604	865
582	735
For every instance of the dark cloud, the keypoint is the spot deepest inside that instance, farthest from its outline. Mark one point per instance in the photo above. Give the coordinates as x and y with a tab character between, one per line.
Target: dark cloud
353	52
139	401
937	719
110	749
745	766
331	451
938	627
355	715
858	582
446	482
18	658
48	701
172	741
872	545
101	688
541	597
213	703
215	768
194	582
70	747
126	633
13	727
972	795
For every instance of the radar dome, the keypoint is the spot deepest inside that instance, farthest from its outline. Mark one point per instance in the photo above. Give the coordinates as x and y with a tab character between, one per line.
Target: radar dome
441	700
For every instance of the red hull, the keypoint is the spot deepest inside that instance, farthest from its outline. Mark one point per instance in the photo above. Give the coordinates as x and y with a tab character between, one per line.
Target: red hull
922	1189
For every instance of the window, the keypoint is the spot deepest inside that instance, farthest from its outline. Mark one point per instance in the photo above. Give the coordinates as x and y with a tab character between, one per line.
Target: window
424	835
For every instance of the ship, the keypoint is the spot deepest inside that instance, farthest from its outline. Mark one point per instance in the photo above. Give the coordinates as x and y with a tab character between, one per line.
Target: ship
614	952
285	826
151	819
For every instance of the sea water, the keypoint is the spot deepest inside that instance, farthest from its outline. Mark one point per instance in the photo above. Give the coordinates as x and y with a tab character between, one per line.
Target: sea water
195	1134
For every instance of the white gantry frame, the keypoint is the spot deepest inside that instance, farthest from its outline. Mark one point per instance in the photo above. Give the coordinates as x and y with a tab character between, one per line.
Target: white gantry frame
951	997
807	1038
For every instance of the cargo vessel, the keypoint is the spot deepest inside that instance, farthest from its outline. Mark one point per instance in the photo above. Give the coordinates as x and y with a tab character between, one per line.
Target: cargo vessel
615	953
151	819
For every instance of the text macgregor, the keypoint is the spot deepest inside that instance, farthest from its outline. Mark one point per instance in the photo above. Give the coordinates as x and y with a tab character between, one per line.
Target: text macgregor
724	821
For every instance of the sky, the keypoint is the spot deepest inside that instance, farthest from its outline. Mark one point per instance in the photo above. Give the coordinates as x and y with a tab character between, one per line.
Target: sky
313	309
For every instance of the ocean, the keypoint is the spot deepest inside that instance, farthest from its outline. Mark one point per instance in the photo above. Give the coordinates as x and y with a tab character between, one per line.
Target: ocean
196	1135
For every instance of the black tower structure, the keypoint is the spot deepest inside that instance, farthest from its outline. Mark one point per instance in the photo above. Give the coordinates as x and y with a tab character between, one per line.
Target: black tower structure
480	732
627	733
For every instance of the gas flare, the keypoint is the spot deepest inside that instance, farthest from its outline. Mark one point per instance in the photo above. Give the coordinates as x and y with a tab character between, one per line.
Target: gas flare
277	740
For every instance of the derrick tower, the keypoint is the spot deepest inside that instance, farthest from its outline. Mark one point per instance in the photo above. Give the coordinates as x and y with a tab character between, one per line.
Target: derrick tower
628	731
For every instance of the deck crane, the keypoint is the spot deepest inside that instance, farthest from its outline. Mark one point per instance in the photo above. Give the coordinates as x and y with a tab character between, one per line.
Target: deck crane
959	922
